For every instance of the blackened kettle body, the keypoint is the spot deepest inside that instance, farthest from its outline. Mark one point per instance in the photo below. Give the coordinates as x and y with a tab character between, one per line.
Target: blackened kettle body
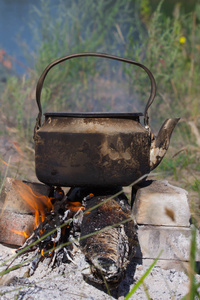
97	149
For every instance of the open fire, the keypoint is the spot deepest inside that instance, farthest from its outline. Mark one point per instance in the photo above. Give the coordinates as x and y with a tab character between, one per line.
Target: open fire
38	204
53	216
98	222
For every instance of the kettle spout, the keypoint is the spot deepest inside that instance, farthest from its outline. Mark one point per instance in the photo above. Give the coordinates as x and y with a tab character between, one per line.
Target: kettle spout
160	144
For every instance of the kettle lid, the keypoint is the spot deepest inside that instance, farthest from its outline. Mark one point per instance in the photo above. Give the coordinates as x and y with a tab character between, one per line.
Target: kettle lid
95	115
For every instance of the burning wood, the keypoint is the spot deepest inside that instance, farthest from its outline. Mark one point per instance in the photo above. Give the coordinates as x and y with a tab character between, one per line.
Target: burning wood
53	237
102	224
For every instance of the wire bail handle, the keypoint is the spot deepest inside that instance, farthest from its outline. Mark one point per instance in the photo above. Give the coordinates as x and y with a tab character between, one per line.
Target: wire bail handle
95	54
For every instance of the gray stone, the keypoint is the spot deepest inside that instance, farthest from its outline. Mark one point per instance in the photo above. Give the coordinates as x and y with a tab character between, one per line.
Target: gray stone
160	203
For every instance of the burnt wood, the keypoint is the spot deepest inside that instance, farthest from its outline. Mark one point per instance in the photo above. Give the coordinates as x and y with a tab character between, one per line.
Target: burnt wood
113	239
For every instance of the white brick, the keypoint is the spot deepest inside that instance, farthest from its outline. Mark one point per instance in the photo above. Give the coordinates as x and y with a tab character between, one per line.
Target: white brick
173	241
162	204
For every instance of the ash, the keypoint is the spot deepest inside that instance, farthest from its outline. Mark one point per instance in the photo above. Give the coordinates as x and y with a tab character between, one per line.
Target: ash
108	233
55	266
54	240
66	282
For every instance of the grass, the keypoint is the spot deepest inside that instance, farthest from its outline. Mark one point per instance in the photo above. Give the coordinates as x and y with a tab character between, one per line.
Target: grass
19	265
176	165
168	46
75	85
141	280
193	286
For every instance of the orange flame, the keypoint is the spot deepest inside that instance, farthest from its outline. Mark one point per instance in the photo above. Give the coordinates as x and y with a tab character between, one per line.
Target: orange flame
21	233
44	252
52	249
74	206
37	203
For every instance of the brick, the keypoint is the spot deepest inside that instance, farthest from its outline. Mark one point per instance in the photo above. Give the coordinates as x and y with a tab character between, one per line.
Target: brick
11	198
10	221
160	203
174	241
178	265
15	212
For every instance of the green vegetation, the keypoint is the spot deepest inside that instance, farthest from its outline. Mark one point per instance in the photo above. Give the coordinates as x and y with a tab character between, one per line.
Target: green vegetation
168	46
194	285
141	280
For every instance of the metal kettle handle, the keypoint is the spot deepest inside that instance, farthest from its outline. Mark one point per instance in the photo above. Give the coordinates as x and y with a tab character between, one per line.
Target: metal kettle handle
51	65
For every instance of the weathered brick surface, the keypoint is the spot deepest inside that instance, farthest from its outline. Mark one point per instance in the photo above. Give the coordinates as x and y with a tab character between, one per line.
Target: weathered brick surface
10	221
166	264
11	199
173	241
15	213
160	203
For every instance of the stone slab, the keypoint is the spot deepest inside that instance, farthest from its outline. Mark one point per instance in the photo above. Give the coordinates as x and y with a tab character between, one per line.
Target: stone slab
10	221
173	241
14	192
160	203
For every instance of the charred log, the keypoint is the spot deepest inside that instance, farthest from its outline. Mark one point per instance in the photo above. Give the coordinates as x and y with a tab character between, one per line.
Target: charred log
111	248
104	224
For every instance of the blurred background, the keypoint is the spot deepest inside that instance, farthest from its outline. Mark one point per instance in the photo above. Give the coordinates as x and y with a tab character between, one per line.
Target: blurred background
163	35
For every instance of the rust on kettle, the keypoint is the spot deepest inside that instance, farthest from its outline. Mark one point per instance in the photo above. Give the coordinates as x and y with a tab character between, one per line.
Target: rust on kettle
160	144
97	149
71	156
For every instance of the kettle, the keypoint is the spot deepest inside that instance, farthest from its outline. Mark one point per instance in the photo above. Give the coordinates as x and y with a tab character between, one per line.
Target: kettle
97	149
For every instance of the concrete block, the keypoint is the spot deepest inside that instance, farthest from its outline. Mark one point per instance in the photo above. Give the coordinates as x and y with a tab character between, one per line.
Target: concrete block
15	191
160	203
173	241
178	265
10	223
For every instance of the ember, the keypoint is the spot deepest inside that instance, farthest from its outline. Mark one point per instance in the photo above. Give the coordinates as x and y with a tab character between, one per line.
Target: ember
52	237
100	221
